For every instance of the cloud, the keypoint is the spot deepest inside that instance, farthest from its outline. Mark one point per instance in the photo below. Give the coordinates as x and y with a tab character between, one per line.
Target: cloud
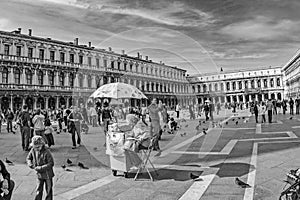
262	28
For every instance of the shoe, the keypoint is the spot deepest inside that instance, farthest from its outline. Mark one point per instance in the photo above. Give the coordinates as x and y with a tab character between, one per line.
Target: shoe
73	147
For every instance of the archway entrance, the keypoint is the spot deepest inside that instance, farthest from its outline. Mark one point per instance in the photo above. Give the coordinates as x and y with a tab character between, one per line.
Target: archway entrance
40	103
4	103
51	103
29	102
17	104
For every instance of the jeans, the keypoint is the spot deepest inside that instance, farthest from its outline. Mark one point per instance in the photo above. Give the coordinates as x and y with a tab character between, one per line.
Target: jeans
76	130
25	134
270	116
40	187
9	126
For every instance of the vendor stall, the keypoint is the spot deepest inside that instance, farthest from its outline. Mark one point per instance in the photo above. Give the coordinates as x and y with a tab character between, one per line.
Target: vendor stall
121	138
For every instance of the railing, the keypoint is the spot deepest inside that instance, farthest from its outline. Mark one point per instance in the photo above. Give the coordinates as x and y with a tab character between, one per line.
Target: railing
10	86
82	66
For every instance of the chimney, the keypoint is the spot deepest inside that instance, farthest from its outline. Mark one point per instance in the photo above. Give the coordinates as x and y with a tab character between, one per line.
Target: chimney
123	52
19	29
138	54
109	49
160	62
29	32
90	44
146	57
76	41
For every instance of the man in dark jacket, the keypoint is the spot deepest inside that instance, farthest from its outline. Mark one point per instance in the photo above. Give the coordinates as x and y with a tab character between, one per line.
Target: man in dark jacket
41	160
7	185
9	118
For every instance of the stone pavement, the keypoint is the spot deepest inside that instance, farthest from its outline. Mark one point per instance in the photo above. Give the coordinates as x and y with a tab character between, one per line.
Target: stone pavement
219	157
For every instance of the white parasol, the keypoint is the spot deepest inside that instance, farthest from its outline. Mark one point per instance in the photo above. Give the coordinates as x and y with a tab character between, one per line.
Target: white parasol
118	91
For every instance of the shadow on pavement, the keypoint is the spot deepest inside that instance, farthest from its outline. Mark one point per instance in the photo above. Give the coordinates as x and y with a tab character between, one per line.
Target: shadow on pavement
233	169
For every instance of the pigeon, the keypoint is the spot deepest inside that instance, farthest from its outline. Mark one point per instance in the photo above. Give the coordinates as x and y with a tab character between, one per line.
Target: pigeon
236	123
194	177
183	134
186	126
81	165
183	120
291	118
226	123
68	170
241	183
233	119
239	118
204	131
203	122
8	162
69	161
63	166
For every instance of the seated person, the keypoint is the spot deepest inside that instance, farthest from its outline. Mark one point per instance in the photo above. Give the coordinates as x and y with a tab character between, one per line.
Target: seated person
7	185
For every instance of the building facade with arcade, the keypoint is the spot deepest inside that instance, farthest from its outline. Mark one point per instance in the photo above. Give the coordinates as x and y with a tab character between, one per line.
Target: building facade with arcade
47	73
239	85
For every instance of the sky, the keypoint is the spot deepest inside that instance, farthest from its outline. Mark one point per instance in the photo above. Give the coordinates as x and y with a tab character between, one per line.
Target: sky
197	35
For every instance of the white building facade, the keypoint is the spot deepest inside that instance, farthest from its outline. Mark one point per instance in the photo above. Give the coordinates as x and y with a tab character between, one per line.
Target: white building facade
291	72
47	73
239	85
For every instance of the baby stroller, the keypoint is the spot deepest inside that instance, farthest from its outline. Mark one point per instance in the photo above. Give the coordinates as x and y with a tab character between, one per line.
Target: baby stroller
84	128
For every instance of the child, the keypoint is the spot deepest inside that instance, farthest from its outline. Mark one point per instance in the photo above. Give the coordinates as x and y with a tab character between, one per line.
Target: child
49	132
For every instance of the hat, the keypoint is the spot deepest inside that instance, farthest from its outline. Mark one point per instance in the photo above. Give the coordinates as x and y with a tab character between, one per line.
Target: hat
37	141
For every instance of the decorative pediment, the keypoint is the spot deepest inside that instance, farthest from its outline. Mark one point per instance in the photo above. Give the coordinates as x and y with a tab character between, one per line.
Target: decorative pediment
31	43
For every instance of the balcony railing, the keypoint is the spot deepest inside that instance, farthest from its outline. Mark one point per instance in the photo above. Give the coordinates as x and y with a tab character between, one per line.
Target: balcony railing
10	86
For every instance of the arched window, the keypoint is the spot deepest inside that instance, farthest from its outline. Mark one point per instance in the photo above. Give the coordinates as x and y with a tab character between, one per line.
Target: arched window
272	82
233	86
105	80
28	77
246	84
252	84
40	77
204	88
216	87
222	86
97	81
258	83
17	75
80	79
61	79
240	85
227	86
5	75
51	78
209	87
89	81
71	80
278	82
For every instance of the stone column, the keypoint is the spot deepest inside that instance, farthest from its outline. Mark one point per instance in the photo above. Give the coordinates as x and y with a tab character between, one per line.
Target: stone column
35	78
11	102
57	102
11	79
67	102
35	102
46	103
46	78
67	79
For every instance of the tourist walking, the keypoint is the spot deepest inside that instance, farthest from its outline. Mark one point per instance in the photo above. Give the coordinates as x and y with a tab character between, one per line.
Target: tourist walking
255	110
270	110
41	160
297	102
38	124
284	106
9	118
75	118
263	112
177	110
291	102
25	124
155	128
2	118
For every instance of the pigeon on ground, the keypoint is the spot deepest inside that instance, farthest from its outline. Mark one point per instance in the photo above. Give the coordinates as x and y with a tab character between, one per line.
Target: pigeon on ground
236	123
8	162
233	119
291	118
183	120
69	162
239	118
63	166
241	183
194	177
186	126
203	122
204	131
226	123
183	134
243	117
68	170
81	165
